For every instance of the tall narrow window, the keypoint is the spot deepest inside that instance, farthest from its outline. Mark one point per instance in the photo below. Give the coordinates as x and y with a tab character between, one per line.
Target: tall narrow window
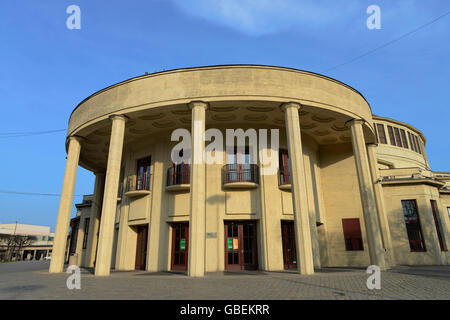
285	177
86	232
448	211
381	133
352	234
404	140
181	171
376	133
436	222
419	149
74	224
413	228
391	136
143	174
412	142
398	141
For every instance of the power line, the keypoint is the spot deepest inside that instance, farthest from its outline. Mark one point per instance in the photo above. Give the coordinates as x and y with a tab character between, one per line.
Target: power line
27	134
388	43
36	194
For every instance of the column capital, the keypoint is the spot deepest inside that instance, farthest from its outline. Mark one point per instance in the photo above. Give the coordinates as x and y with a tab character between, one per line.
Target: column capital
75	137
291	104
352	122
118	116
372	144
99	173
198	103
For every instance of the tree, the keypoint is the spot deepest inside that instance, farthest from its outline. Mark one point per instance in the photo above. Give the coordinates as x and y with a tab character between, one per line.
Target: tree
14	244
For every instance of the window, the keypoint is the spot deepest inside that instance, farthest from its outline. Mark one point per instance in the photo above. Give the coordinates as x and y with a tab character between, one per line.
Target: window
419	150
413	228
352	234
436	222
398	141
143	174
75	223
239	166
448	211
181	171
376	133
381	133
285	177
411	142
391	135
404	140
86	232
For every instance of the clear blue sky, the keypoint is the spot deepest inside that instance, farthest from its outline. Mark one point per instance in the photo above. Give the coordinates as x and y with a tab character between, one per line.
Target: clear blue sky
46	69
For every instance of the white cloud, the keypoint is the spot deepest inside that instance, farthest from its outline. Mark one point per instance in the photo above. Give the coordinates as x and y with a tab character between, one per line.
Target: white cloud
258	17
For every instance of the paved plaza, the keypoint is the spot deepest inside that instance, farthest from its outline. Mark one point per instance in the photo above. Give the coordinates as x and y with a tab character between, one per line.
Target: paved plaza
31	280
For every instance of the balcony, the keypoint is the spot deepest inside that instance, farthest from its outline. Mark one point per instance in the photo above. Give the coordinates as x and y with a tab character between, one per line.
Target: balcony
284	179
240	176
138	186
178	178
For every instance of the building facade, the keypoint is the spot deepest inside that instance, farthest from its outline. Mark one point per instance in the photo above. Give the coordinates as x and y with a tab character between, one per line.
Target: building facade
36	242
350	188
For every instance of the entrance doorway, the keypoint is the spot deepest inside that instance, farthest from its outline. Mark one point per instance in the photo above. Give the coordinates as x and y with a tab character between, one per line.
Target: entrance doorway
141	248
180	246
240	245
289	247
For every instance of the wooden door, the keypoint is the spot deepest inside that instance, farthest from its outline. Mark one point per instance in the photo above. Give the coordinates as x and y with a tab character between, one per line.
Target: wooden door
180	246
240	246
141	248
285	177
143	174
289	247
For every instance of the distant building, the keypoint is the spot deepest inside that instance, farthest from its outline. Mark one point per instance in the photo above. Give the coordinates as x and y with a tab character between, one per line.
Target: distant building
40	236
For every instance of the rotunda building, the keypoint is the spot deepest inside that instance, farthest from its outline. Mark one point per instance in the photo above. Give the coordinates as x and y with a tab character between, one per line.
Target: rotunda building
333	186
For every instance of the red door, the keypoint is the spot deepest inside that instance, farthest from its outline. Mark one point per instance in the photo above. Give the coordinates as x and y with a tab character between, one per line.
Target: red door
289	247
141	248
180	246
240	246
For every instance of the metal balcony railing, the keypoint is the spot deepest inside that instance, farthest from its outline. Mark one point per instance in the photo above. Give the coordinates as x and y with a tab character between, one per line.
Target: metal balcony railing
240	173
284	176
179	174
138	183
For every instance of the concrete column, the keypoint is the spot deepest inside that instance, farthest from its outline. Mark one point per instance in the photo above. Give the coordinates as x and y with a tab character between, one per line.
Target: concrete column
94	221
65	206
196	267
312	210
106	235
305	262
381	207
368	201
